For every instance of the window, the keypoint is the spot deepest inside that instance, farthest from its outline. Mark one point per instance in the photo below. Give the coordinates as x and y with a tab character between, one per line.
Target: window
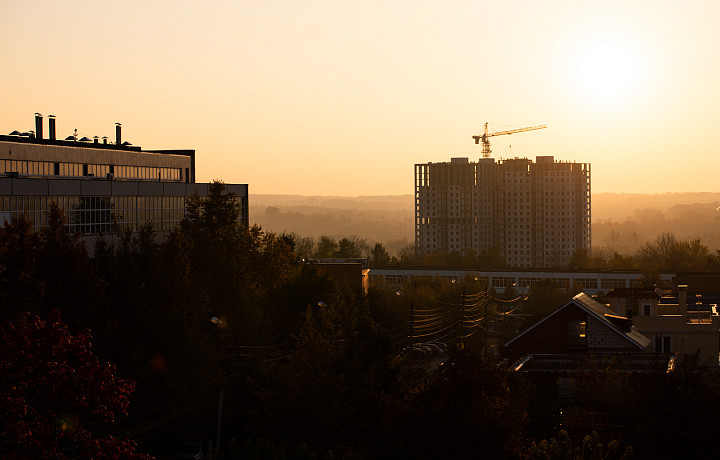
502	282
663	344
647	309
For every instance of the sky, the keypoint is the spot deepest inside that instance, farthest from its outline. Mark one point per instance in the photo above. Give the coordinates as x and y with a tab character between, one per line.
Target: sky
320	97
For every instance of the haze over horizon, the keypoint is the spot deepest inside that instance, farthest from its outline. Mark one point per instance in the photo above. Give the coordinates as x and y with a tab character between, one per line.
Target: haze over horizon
322	98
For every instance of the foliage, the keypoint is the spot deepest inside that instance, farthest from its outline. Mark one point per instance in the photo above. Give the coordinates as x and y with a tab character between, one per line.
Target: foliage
487	258
47	269
333	381
379	256
682	406
666	252
352	247
561	448
51	386
670	253
544	297
470	409
303	362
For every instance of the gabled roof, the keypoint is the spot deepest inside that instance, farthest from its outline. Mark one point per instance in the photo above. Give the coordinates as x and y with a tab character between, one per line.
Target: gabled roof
599	312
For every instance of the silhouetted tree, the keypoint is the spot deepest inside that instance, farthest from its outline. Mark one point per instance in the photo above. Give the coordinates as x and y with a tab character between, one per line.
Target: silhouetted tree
544	297
561	448
326	247
469	409
491	258
667	252
51	387
20	283
379	256
352	247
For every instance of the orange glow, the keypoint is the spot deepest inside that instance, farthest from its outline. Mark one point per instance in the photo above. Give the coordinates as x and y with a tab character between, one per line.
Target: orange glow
342	98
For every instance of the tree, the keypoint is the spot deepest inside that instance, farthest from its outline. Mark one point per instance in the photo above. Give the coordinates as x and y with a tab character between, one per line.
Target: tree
667	252
379	256
544	297
348	248
71	282
326	247
329	389
304	246
561	448
491	258
469	409
650	278
51	386
581	258
408	255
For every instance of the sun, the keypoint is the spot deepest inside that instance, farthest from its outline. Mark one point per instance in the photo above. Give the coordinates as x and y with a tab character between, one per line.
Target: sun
606	67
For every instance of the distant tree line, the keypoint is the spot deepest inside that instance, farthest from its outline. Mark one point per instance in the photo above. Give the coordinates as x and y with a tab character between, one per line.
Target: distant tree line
666	252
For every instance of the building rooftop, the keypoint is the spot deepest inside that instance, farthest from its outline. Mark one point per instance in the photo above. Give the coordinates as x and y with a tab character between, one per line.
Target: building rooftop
620	324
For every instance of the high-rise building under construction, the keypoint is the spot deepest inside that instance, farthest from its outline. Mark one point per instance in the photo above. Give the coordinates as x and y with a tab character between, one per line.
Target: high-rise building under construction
535	214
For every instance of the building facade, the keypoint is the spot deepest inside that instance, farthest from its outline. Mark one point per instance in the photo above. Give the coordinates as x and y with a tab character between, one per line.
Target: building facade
537	214
683	321
103	187
521	282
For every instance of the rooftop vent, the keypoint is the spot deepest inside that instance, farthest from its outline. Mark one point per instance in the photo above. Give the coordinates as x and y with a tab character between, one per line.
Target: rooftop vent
18	133
51	127
85	139
126	143
72	137
39	125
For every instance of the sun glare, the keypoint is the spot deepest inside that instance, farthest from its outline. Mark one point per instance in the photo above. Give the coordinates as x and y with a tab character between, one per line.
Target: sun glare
606	68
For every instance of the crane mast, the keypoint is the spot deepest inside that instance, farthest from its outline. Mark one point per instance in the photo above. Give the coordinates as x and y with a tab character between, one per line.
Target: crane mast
486	142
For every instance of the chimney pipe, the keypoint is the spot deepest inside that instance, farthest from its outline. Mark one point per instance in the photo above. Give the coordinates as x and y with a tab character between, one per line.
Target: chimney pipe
118	137
682	298
51	127
629	315
38	126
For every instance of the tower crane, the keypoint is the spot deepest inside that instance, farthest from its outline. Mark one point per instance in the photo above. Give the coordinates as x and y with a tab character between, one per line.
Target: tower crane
486	143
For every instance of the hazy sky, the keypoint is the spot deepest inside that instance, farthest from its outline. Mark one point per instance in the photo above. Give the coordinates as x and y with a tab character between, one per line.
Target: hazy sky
344	97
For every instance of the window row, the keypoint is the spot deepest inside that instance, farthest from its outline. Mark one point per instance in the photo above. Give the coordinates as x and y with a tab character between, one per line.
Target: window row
97	214
47	168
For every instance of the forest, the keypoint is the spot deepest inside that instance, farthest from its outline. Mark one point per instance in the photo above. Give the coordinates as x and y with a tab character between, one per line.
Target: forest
223	334
621	223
